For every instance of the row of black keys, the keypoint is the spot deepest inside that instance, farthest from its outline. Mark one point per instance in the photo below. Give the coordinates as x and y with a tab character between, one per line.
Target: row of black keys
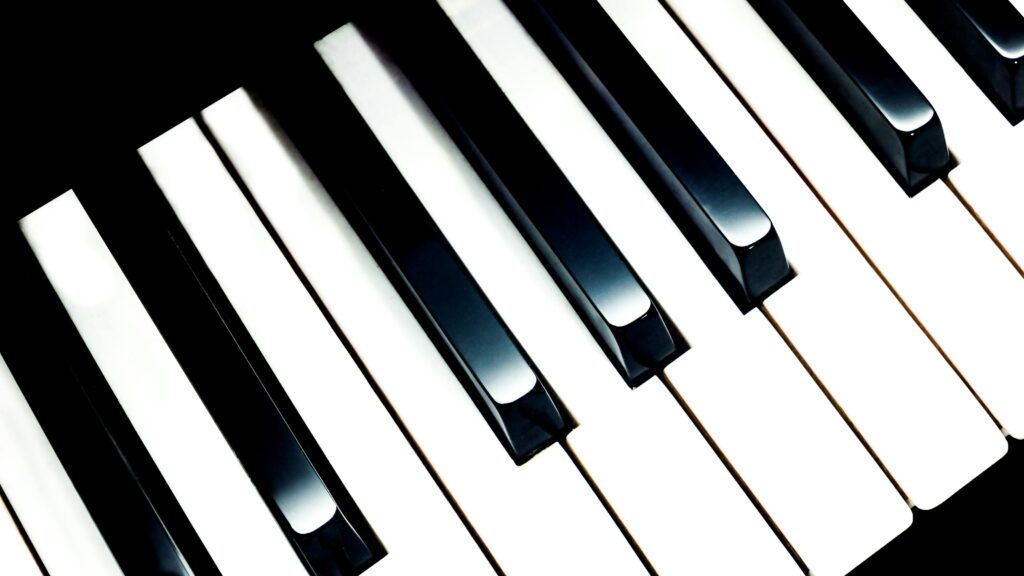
147	531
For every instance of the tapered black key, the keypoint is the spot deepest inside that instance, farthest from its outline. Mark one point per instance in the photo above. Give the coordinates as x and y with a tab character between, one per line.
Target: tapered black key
327	130
593	274
692	181
878	99
987	38
228	372
134	510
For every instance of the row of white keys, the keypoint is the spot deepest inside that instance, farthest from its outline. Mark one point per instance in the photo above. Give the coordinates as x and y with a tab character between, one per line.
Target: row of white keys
667	486
910	406
378	467
538	518
15	556
740	379
50	510
933	253
989	178
191	454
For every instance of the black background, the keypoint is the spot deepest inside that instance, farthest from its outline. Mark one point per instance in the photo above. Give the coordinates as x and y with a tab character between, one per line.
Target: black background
81	87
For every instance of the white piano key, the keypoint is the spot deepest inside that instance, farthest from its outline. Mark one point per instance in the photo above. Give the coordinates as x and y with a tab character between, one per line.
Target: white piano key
837	311
539	518
929	248
989	175
648	460
15	557
711	322
382	473
993	188
50	510
201	470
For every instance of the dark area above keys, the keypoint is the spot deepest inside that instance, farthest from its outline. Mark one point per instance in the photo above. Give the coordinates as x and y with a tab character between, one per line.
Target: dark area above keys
228	371
624	318
713	208
127	498
510	393
877	98
987	38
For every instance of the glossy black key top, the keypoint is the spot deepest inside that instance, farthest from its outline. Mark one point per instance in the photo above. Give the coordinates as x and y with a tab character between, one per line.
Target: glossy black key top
987	38
341	150
127	498
877	98
228	372
593	274
694	184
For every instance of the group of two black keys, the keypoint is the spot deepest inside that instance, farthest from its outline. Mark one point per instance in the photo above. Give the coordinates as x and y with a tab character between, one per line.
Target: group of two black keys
107	462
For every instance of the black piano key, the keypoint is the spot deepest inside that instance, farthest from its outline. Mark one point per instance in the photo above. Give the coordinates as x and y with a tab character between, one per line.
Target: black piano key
133	508
694	184
228	372
635	334
879	100
987	38
327	130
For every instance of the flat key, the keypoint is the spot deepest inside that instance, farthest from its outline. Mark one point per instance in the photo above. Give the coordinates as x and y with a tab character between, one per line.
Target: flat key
129	502
204	474
878	99
595	277
508	389
688	176
346	419
213	347
987	39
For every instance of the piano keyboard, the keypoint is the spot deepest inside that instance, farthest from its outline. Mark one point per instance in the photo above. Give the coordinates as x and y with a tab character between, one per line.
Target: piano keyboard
529	287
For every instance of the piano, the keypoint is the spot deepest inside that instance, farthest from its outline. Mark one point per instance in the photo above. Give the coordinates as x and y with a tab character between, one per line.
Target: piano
516	287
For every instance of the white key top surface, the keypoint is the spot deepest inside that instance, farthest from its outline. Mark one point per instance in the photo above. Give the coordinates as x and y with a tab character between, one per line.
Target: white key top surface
649	461
406	510
709	320
15	557
195	460
837	312
929	248
539	518
989	177
47	504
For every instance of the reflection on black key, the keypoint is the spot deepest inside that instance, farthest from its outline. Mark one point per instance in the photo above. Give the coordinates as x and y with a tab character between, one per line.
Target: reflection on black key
987	38
134	510
878	99
636	336
228	372
340	148
692	181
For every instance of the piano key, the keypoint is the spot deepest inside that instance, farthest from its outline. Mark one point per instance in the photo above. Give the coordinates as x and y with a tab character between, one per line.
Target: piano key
119	484
934	255
688	176
540	517
689	511
987	39
979	136
878	99
362	442
930	452
512	395
592	273
206	477
713	324
203	332
16	558
40	491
